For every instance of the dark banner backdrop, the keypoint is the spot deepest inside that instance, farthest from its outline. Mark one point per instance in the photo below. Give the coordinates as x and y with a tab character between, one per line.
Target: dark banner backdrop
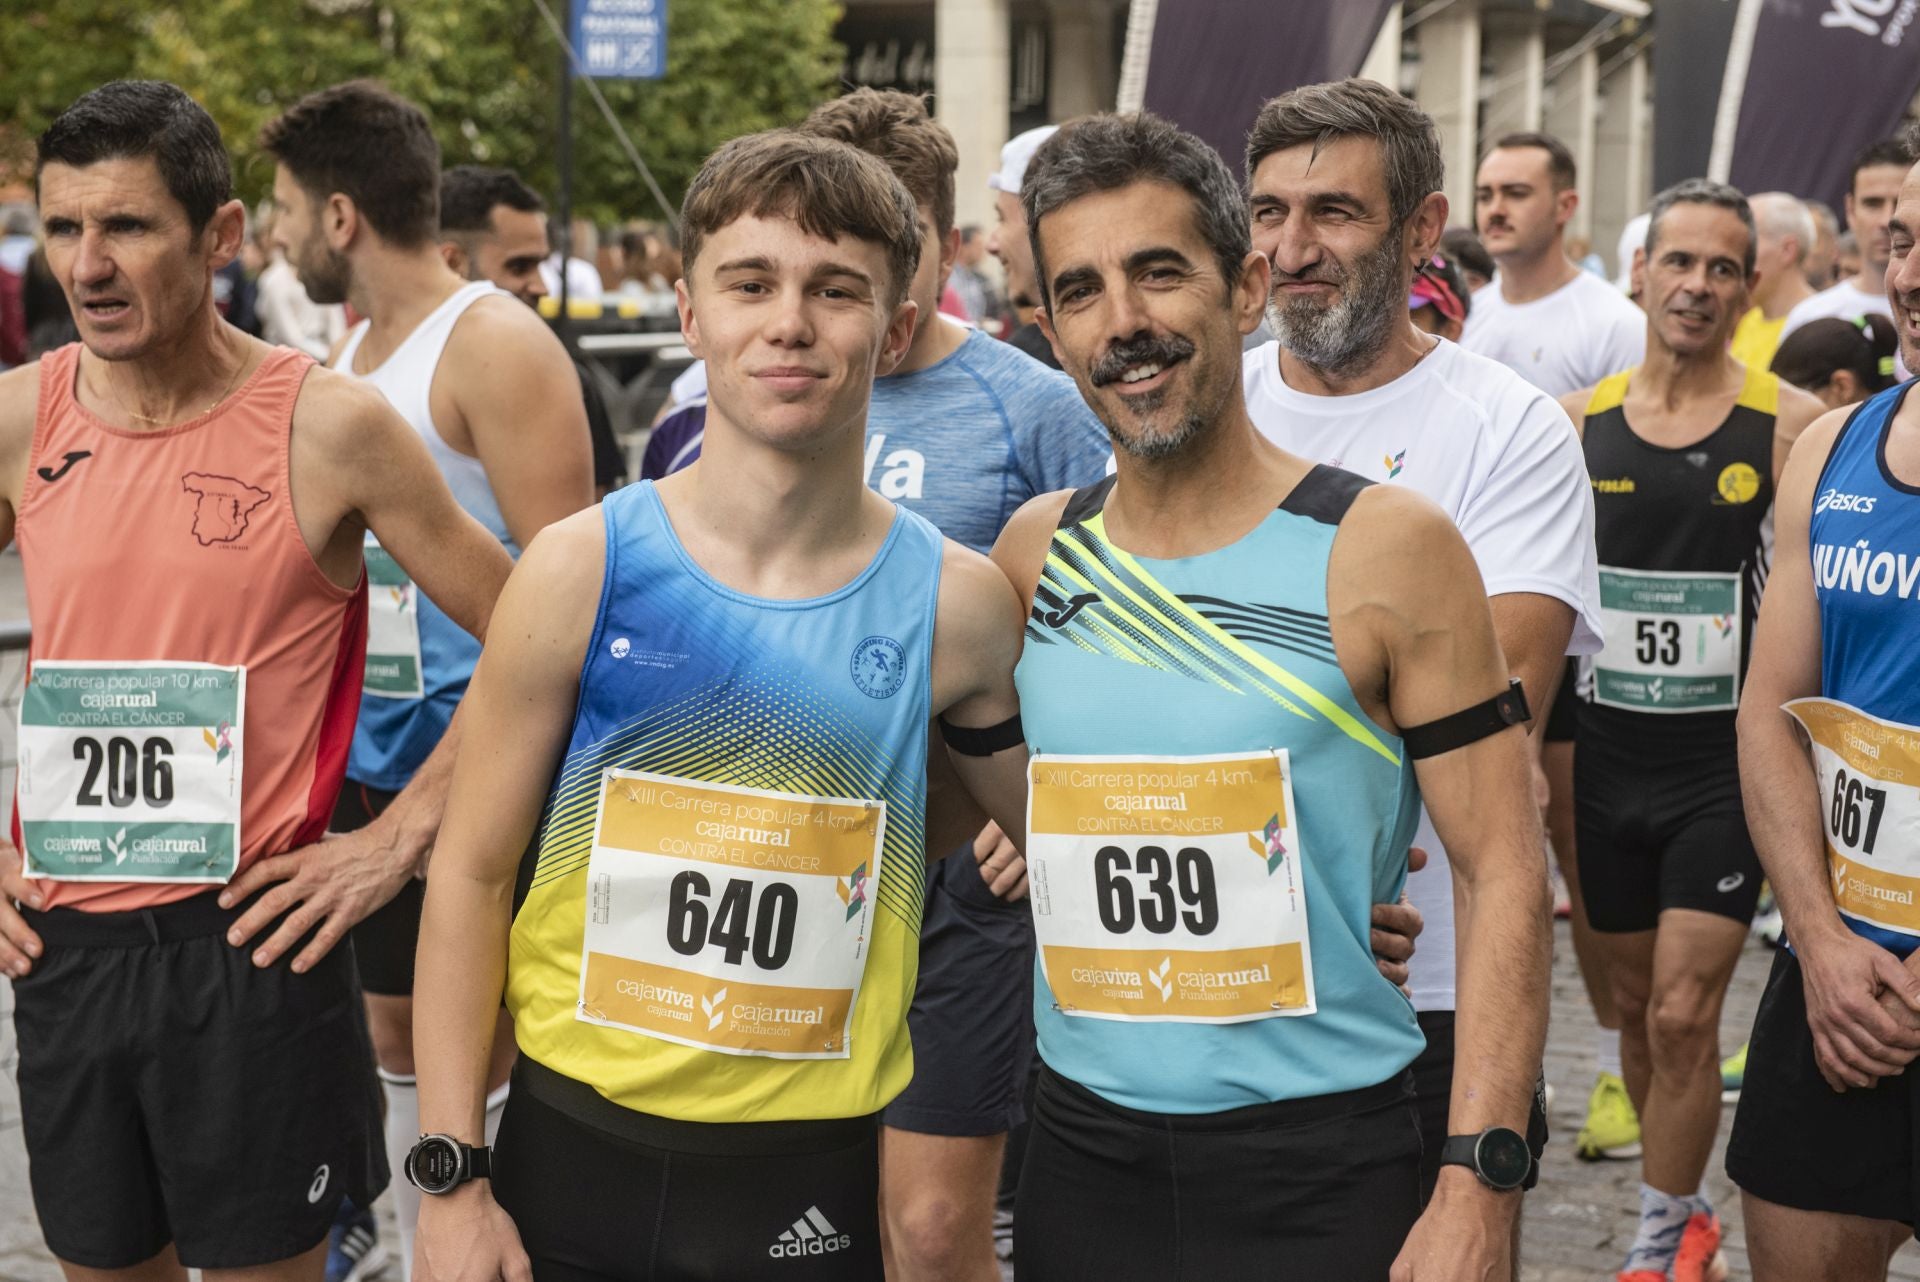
1850	65
1689	64
1215	61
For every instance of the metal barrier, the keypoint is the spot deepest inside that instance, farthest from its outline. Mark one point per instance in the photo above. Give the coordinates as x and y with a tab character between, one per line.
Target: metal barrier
14	636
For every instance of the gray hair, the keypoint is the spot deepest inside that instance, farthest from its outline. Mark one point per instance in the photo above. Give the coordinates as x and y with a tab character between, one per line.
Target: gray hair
1780	215
1108	151
1355	108
1703	191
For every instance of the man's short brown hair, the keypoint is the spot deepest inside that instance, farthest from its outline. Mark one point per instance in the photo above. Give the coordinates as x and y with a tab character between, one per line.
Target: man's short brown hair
1560	166
830	189
895	127
367	143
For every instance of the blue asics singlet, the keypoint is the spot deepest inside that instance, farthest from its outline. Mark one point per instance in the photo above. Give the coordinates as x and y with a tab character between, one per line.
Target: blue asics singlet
1865	541
703	936
1227	653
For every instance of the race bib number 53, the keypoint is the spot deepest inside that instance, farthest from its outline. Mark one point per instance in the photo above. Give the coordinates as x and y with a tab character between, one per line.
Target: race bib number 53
1869	773
730	919
131	771
1170	888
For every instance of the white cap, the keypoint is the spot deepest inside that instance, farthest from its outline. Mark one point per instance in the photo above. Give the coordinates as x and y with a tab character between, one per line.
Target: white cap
1632	237
1016	156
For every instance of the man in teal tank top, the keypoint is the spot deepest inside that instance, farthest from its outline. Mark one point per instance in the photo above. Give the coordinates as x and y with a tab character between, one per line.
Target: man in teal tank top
1237	686
710	700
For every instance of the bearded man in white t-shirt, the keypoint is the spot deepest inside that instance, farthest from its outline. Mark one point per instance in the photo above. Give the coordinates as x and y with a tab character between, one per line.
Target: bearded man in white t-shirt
1345	184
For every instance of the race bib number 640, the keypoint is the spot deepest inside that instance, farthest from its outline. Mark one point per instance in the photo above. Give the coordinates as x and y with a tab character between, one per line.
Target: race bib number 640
1169	889
729	919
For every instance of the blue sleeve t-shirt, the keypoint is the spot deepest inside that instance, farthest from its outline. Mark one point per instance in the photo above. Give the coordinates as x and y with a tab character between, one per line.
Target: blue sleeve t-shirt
963	442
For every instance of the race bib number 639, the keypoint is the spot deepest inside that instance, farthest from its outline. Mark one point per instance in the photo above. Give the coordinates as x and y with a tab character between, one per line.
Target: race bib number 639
1169	889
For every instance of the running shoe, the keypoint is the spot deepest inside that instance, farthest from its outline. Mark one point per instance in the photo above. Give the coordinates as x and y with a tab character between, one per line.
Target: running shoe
1642	1275
354	1252
1733	1072
1699	1258
1768	926
1612	1129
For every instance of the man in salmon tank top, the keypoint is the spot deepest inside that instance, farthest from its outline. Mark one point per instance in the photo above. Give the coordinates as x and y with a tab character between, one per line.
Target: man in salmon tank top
495	400
687	839
190	505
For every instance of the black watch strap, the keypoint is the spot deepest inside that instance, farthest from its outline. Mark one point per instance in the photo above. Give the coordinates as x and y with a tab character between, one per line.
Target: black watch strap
1469	725
1464	1150
479	1162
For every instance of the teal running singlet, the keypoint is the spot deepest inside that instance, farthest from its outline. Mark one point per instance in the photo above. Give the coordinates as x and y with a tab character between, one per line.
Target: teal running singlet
1212	817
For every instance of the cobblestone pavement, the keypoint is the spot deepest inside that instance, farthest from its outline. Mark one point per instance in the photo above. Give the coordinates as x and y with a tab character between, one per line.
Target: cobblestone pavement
1578	1222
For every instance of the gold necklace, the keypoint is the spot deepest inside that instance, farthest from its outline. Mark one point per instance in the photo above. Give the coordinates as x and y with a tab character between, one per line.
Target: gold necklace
161	422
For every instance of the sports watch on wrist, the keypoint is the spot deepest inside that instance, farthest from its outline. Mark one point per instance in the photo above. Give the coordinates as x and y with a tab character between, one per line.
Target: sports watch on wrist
440	1164
1500	1157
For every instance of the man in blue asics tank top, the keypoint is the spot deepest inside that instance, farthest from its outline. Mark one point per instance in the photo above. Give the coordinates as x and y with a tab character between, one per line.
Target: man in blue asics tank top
711	698
494	398
1237	687
1824	1142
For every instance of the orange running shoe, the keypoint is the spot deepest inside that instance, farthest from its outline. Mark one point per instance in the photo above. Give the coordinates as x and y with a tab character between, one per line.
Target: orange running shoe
1699	1258
1642	1275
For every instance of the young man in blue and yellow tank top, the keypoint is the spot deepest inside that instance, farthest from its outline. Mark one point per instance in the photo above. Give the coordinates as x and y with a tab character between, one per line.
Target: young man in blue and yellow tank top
711	696
1823	1146
1682	452
1233	674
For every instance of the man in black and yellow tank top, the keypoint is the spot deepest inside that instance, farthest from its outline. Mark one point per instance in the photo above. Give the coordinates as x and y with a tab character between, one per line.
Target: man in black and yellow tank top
1682	453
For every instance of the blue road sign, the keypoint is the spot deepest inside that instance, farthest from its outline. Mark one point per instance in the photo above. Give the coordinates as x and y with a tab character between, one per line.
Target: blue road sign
621	39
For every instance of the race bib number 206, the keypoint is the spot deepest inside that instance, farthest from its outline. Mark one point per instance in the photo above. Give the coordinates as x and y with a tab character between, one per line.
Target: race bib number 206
131	771
1169	889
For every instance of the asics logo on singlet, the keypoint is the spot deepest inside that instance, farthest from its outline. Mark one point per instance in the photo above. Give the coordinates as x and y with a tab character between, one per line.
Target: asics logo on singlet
1835	501
1731	882
1064	615
811	1234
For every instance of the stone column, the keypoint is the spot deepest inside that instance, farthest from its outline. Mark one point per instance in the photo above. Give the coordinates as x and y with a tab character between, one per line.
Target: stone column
1572	106
1383	60
972	82
1517	48
1080	58
1623	153
1449	90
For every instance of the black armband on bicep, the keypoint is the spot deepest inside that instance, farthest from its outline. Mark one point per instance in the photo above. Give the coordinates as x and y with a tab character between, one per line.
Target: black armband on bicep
985	741
1509	708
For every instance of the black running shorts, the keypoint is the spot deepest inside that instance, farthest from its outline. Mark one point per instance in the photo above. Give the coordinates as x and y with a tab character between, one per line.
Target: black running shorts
972	1013
1797	1143
1563	715
1659	825
1302	1191
649	1199
171	1091
385	941
1433	1101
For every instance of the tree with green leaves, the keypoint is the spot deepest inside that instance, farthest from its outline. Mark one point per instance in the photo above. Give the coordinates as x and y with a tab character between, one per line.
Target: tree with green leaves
485	72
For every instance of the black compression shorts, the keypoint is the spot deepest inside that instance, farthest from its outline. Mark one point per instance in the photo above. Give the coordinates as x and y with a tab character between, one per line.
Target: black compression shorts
1659	825
657	1200
1311	1189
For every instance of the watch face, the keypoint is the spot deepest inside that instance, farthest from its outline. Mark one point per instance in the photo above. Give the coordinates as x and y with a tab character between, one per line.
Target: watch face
436	1164
1503	1158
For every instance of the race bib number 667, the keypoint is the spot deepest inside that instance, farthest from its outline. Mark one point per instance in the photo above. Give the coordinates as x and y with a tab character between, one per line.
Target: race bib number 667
1170	888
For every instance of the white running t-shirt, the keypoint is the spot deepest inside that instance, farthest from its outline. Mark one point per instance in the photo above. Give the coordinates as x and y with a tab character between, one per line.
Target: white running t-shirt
1845	300
1501	458
1571	339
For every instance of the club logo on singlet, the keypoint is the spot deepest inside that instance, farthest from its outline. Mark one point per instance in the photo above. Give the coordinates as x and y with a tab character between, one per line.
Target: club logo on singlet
1738	483
879	667
221	506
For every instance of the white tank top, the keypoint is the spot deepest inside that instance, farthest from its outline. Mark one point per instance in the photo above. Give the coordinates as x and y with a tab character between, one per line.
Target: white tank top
406	379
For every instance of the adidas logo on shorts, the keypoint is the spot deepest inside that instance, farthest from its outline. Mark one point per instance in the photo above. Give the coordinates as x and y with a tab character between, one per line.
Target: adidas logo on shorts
811	1234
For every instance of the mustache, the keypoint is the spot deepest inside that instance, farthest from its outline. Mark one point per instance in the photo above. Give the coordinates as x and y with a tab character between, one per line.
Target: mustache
1122	356
1324	272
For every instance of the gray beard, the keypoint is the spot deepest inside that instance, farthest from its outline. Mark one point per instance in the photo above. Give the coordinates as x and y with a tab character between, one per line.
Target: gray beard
1345	337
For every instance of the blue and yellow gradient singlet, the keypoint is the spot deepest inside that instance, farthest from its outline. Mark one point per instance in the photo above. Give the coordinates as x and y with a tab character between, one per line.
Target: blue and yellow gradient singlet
688	680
